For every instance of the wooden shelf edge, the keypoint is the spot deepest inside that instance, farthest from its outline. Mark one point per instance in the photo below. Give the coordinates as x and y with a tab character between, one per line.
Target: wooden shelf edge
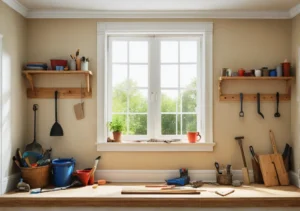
63	93
256	78
33	72
252	97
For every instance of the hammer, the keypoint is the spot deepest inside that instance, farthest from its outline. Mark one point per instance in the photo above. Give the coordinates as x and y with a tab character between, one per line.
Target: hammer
245	169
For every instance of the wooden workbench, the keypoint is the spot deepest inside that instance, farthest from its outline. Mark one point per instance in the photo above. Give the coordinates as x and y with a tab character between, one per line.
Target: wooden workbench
110	196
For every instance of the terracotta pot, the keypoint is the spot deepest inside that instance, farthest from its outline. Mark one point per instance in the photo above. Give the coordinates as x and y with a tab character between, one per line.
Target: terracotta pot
117	136
192	137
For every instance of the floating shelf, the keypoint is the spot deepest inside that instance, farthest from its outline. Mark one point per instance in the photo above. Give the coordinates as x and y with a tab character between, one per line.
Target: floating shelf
252	97
35	92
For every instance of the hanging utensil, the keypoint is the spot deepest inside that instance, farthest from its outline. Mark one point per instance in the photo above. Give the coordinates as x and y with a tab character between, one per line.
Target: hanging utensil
241	99
258	106
277	114
34	146
56	129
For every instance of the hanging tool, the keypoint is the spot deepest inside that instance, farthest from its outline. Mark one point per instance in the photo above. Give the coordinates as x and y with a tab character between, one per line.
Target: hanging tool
34	146
245	172
217	167
277	114
56	129
258	106
241	99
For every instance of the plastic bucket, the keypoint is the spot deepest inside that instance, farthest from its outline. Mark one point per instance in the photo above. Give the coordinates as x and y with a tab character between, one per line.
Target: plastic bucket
62	171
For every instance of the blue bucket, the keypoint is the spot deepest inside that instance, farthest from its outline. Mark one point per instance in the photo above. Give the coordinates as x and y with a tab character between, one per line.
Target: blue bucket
62	171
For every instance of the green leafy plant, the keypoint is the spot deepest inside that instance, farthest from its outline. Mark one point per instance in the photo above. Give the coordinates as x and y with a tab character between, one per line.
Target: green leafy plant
116	125
85	59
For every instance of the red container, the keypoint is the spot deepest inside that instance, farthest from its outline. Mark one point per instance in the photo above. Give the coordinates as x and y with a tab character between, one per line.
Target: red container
84	176
286	67
241	72
58	62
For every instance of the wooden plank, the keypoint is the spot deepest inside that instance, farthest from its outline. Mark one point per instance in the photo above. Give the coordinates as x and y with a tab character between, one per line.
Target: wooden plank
252	97
34	72
257	172
280	169
169	191
268	170
64	93
257	78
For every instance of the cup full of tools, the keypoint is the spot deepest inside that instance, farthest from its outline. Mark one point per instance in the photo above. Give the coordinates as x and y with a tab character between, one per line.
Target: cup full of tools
224	176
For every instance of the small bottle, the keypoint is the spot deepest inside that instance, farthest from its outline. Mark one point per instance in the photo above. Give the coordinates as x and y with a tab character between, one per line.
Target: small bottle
22	186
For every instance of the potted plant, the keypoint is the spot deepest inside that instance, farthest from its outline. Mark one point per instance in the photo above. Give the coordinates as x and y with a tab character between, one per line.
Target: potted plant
116	126
85	63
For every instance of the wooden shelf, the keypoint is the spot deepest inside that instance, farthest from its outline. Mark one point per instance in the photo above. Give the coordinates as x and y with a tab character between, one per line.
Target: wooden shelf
34	92
256	78
252	97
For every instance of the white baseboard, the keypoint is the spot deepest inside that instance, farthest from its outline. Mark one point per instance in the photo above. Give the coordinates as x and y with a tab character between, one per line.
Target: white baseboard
161	175
9	183
294	179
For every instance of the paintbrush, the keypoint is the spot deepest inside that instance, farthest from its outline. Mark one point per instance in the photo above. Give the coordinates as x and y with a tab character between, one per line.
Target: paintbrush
95	165
77	53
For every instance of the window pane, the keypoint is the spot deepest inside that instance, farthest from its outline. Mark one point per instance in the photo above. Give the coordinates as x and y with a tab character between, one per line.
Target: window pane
138	51
119	51
188	76
119	76
179	124
138	124
169	100
188	51
138	100
121	118
189	100
119	100
168	124
189	123
169	76
139	75
169	52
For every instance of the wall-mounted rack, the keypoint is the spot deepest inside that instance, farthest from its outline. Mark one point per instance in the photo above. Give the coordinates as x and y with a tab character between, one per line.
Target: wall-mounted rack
252	97
36	92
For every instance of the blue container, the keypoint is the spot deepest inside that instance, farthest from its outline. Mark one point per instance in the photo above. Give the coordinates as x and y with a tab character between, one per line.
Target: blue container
62	171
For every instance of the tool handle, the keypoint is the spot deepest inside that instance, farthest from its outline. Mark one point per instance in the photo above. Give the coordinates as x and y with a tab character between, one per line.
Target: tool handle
241	98
253	153
217	167
272	138
35	108
56	92
242	151
277	100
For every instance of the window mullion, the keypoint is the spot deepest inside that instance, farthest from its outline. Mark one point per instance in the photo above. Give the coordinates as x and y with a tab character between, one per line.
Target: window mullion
127	115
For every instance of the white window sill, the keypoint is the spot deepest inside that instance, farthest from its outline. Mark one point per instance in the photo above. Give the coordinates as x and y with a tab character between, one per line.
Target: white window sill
155	147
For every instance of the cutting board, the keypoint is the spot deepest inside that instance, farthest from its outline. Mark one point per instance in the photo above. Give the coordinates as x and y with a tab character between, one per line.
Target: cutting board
160	191
268	170
278	161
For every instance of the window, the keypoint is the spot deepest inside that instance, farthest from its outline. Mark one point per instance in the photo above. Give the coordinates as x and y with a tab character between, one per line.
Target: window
155	79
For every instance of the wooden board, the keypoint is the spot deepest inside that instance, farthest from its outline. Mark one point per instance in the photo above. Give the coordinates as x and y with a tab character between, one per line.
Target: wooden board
64	93
257	172
246	178
268	170
160	191
280	168
256	78
224	192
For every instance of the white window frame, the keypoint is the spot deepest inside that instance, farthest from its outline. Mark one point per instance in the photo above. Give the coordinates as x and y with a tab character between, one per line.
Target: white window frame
204	30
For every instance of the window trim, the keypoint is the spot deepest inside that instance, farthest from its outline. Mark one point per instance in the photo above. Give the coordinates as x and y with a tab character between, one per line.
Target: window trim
104	29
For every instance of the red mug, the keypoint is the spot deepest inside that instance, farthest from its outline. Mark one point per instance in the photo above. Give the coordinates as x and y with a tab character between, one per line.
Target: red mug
241	72
192	137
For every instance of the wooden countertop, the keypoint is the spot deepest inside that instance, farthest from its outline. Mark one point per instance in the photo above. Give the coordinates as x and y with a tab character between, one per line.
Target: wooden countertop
110	196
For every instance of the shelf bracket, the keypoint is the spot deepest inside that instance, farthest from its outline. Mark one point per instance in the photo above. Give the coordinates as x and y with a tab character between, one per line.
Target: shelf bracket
87	77
30	80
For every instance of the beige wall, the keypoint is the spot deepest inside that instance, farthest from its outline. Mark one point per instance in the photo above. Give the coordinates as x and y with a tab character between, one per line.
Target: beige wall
13	27
237	43
295	102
